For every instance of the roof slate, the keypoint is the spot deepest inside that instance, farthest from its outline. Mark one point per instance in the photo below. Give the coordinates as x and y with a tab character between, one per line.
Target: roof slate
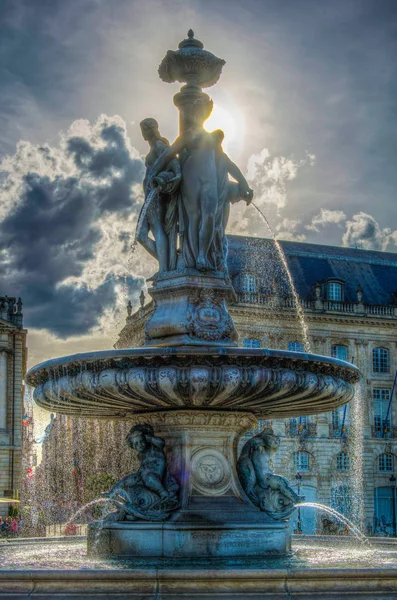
374	271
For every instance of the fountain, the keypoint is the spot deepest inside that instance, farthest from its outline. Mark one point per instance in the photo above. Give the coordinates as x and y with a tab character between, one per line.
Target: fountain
191	392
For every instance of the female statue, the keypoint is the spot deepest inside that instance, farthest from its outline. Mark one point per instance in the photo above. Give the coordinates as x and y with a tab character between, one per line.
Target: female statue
205	192
159	211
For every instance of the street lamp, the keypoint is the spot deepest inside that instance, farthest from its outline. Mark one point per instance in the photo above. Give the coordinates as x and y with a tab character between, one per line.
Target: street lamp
393	482
299	481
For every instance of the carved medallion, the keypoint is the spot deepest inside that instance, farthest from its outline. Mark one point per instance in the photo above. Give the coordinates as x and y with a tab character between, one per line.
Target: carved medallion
210	472
209	319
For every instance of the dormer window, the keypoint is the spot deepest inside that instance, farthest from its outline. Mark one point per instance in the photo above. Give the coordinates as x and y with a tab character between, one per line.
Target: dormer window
248	283
334	291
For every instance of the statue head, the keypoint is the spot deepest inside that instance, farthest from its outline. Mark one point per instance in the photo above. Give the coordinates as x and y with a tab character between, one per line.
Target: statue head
218	137
137	439
269	441
149	128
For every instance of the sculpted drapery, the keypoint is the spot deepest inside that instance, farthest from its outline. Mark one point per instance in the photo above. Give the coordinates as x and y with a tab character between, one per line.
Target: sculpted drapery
188	193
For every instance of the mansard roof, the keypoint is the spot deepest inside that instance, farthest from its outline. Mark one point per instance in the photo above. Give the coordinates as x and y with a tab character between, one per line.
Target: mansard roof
374	271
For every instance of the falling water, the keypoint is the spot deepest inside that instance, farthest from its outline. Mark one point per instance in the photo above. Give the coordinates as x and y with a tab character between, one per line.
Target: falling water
298	307
331	511
357	451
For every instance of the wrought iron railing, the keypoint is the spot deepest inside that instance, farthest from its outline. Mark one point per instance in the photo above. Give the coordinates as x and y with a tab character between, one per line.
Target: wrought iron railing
300	430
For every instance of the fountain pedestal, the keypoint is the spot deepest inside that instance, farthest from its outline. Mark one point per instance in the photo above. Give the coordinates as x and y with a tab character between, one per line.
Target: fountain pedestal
215	519
191	309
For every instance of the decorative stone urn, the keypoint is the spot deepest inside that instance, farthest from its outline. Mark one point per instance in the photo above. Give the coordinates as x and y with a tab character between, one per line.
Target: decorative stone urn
190	392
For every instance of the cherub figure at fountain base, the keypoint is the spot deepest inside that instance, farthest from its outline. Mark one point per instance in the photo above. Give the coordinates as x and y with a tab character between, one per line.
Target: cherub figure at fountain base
151	492
269	492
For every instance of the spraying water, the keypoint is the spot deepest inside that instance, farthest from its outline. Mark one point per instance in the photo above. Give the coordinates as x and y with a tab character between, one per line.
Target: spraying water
357	451
84	508
337	515
298	307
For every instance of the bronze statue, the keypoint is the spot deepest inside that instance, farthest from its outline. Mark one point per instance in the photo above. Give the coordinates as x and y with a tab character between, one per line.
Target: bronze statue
159	211
206	192
271	493
151	492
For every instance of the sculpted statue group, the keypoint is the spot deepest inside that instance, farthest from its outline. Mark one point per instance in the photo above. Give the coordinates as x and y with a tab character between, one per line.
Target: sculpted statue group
188	195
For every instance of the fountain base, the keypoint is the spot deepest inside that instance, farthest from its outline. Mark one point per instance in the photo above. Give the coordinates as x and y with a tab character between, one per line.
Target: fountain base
215	518
207	529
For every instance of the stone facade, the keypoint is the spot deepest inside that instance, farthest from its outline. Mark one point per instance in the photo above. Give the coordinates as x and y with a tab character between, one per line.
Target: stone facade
350	310
13	356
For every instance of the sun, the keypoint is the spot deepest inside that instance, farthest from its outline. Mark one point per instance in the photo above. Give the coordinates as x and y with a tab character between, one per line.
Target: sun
231	123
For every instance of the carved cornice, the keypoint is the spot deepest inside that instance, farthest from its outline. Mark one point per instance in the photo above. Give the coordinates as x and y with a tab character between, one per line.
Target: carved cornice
5	348
190	419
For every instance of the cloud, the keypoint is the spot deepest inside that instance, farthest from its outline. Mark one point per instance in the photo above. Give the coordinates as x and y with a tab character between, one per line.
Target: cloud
269	177
287	230
59	207
326	217
365	232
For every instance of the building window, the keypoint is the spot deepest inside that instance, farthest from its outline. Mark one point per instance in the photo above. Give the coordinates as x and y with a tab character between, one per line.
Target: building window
386	462
295	347
380	360
248	283
342	500
249	343
342	462
301	461
297	425
339	352
341	420
382	420
334	291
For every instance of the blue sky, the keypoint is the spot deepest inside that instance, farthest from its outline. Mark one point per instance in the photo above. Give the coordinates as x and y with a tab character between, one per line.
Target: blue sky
312	84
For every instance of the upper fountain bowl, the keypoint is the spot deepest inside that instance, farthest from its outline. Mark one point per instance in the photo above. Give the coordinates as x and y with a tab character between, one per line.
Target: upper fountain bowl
116	384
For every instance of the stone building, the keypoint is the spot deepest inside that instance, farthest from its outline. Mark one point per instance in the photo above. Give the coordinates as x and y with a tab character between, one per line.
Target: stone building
349	300
13	356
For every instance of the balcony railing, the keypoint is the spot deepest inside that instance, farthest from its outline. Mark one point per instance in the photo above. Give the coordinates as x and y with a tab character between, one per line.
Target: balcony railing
386	433
340	432
300	430
350	308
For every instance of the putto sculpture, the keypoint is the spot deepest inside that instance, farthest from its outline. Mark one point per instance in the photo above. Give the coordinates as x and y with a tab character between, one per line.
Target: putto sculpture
271	493
151	492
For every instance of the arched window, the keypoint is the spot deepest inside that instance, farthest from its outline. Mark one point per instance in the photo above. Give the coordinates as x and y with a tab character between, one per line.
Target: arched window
248	283
301	460
295	347
339	352
342	462
386	463
334	291
250	343
380	360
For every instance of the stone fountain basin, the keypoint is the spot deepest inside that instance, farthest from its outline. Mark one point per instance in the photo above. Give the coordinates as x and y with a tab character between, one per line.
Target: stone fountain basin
115	384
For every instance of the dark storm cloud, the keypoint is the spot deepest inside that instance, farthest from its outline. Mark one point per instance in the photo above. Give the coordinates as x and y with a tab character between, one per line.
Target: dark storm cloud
53	229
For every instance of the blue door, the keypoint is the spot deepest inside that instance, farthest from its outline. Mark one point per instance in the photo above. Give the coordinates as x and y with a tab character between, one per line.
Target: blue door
308	515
